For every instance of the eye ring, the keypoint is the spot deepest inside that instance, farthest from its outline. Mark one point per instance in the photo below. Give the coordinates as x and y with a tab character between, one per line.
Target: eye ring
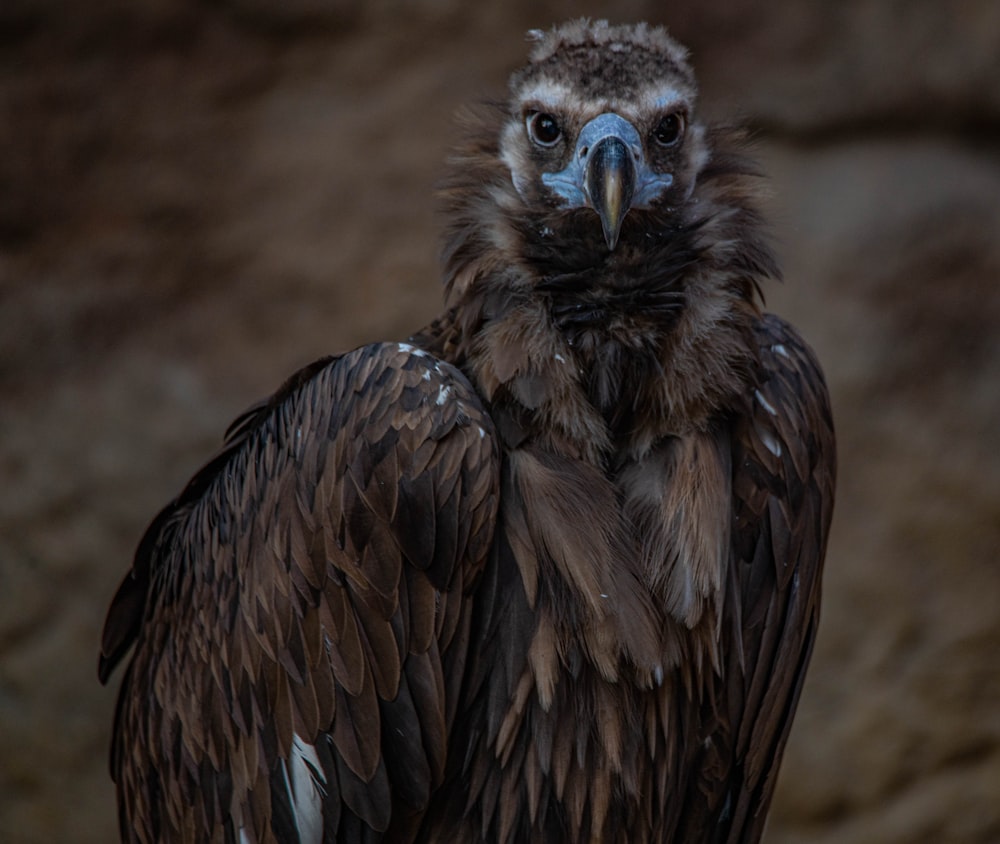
543	128
669	130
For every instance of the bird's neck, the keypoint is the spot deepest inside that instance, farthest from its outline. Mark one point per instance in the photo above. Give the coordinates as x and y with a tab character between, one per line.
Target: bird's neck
601	364
594	353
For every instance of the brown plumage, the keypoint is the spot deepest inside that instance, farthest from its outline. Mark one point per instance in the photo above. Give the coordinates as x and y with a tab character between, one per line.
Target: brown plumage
550	571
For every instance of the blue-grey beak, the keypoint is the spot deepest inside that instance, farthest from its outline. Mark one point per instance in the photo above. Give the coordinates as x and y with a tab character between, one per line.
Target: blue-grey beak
608	172
609	180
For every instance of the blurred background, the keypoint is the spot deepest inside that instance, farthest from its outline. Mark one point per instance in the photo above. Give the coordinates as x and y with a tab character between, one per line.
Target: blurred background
197	197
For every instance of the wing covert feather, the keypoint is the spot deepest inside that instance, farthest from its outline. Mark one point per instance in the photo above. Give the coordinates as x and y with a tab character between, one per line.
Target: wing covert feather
784	473
296	609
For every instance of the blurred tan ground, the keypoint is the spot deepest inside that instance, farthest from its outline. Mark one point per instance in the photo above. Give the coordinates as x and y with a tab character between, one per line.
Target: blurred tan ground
195	198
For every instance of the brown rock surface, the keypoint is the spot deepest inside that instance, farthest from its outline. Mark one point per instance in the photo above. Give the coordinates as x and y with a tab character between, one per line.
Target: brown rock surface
196	198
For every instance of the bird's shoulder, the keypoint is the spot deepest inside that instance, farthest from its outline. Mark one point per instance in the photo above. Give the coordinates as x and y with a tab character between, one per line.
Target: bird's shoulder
784	442
307	586
380	397
783	479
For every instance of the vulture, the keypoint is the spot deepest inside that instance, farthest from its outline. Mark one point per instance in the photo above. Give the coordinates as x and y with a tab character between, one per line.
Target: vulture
547	571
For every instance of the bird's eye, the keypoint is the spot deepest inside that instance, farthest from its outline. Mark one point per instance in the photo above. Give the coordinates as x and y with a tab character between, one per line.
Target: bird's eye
543	129
669	130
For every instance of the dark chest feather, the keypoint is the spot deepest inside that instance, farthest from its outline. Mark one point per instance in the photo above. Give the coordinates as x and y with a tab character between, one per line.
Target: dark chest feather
594	597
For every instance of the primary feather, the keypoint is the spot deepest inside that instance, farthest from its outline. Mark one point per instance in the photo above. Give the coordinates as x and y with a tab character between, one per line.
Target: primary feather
550	571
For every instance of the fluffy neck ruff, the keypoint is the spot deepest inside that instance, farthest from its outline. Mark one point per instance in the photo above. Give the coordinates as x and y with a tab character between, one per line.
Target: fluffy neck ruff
601	354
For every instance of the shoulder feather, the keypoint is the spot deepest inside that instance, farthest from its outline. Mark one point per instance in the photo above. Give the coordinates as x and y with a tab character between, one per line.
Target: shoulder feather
296	609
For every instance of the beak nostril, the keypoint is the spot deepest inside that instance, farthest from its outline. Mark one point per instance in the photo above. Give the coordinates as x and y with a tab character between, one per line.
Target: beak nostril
584	151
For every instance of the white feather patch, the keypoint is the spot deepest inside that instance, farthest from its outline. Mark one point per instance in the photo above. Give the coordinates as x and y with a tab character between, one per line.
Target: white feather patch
548	95
305	783
764	403
407	349
770	443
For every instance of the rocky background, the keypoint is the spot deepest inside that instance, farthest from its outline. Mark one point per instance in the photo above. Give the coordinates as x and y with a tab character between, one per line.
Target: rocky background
198	197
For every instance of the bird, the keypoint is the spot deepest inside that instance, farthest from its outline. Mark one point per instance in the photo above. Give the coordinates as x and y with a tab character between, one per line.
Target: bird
549	569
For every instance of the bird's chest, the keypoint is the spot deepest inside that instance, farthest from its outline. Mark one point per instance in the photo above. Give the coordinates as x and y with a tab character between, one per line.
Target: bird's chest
615	560
601	592
600	751
581	722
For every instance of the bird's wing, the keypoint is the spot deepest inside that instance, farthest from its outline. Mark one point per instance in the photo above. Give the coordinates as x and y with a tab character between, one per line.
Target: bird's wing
300	613
784	473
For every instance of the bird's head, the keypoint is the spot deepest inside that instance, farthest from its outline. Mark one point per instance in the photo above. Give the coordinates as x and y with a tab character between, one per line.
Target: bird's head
593	221
601	122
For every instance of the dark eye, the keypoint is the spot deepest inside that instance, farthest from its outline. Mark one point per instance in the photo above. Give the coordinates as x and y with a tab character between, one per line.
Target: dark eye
668	131
543	129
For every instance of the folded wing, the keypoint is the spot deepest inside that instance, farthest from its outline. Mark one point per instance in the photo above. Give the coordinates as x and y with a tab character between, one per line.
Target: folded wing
784	473
299	613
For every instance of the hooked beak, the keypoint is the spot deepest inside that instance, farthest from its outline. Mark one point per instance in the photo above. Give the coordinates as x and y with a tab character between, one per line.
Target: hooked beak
609	173
609	182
